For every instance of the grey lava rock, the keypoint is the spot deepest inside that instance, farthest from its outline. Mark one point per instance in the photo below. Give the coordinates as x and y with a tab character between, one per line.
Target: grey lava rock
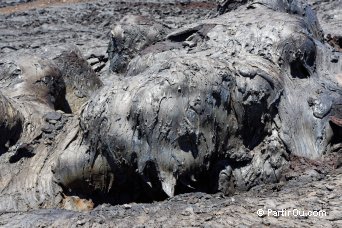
220	104
130	37
238	96
52	116
80	79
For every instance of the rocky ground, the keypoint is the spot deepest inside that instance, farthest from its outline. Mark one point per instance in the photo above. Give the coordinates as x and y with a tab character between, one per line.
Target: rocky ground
310	192
306	186
51	24
48	24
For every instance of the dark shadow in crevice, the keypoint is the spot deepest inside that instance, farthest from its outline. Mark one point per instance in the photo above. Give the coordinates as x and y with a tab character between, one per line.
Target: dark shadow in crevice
298	70
336	140
24	151
188	143
180	37
9	137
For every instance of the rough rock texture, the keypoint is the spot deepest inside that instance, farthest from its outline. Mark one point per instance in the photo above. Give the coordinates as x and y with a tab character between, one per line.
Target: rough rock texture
131	36
34	135
232	100
5	3
203	210
80	78
246	96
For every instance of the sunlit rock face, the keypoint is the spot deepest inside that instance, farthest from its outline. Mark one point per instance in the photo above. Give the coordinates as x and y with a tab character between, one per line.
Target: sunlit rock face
35	126
237	94
218	105
130	37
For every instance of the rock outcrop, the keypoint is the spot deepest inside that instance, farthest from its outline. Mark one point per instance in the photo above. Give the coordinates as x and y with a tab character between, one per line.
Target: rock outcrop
216	105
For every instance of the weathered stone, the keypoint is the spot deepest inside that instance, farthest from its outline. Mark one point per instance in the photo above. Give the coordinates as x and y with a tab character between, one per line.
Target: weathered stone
130	37
52	116
223	112
48	128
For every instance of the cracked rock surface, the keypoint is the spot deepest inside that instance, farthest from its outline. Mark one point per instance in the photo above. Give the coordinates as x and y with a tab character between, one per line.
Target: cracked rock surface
110	106
200	209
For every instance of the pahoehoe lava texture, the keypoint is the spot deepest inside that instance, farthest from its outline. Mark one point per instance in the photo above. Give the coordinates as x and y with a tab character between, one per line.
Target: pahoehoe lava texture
218	105
234	99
